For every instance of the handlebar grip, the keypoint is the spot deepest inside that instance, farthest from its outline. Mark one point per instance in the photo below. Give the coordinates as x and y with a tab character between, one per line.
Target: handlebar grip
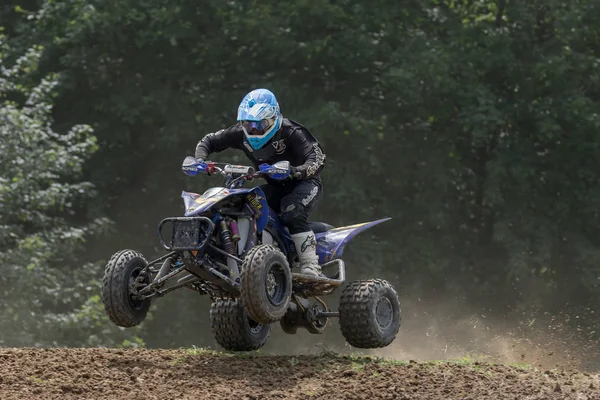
238	169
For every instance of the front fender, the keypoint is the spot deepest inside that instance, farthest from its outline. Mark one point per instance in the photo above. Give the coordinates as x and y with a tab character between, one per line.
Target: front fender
331	244
195	204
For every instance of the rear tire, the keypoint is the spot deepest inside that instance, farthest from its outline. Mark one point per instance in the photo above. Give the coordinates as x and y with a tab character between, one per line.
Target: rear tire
369	313
233	329
266	284
121	307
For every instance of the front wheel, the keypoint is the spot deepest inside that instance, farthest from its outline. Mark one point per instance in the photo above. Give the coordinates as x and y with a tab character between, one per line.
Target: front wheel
266	284
123	276
233	329
369	313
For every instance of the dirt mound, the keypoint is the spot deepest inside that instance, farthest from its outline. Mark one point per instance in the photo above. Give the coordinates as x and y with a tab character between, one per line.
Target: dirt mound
191	374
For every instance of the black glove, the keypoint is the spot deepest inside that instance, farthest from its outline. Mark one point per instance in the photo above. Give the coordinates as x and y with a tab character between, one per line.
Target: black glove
294	173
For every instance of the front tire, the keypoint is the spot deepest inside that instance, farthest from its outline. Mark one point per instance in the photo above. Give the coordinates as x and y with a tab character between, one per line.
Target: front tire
233	329
266	284
369	313
120	303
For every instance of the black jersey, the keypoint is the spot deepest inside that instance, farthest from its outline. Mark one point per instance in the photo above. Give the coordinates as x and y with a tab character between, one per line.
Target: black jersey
292	142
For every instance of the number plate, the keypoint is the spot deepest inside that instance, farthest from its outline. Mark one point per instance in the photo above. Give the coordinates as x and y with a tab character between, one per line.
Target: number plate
186	234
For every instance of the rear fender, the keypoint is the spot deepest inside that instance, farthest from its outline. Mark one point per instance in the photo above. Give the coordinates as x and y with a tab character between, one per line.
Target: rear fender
331	244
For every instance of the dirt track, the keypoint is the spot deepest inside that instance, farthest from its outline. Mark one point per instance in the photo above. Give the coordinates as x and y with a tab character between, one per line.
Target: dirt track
184	374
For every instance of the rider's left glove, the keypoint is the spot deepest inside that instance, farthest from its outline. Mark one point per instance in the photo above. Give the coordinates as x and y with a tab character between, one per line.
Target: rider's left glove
294	173
274	173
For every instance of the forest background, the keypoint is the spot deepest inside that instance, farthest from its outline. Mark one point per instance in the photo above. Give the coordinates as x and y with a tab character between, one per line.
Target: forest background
473	124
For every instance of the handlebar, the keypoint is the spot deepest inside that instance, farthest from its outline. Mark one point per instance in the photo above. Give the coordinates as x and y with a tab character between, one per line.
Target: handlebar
235	175
229	171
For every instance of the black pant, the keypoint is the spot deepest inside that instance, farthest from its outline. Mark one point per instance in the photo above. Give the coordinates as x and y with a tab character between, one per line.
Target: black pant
294	201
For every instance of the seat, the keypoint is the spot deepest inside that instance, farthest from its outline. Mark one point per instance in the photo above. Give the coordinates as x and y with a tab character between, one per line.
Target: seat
319	227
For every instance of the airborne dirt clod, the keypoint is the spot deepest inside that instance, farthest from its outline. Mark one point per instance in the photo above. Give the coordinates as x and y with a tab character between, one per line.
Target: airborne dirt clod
186	374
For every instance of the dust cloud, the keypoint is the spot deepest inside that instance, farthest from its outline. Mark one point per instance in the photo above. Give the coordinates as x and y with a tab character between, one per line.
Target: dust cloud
454	331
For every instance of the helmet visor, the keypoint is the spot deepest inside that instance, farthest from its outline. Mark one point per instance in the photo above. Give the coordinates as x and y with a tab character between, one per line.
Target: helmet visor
257	128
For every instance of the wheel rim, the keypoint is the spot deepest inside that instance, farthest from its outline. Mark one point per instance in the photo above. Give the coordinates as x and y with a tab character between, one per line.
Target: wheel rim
254	326
384	312
275	285
271	284
134	301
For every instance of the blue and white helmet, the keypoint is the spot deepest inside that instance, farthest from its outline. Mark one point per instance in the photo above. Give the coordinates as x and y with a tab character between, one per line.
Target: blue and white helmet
260	117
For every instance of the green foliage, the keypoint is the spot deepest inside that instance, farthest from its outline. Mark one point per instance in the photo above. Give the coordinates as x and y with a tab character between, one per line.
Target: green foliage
45	280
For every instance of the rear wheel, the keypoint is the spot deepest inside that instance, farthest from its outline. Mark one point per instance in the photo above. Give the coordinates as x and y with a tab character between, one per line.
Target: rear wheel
266	284
369	313
233	329
123	277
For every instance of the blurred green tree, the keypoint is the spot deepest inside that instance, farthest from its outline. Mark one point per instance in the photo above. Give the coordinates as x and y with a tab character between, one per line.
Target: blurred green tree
48	290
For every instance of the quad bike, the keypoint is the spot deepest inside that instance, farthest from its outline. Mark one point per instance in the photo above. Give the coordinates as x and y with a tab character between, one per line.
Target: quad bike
231	246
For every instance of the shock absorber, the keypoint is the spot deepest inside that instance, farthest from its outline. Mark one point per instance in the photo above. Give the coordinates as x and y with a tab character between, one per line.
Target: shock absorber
226	239
234	231
229	246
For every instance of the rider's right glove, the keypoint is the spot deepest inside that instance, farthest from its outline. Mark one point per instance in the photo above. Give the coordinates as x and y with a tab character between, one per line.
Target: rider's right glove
191	166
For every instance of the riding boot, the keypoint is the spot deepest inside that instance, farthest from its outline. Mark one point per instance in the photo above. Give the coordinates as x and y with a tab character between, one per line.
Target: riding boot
306	247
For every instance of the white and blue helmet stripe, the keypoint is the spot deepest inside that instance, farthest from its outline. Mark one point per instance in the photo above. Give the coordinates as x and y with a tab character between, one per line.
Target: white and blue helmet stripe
260	105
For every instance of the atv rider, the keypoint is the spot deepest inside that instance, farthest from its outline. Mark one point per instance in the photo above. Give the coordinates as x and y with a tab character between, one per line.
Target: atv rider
266	138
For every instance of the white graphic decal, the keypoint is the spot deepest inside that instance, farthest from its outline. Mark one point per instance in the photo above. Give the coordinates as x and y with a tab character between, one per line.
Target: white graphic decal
247	145
279	146
312	168
313	193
